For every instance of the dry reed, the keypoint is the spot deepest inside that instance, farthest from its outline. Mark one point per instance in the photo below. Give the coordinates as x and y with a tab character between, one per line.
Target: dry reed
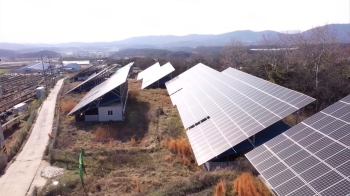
247	185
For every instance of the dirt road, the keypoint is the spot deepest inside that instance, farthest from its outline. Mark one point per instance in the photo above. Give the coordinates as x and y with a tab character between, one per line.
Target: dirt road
19	176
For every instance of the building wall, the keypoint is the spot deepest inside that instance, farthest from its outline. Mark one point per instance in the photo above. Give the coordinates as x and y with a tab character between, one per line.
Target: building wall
117	113
91	118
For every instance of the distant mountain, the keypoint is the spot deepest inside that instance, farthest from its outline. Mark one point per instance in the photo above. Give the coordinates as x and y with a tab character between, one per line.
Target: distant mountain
168	41
155	53
44	53
7	53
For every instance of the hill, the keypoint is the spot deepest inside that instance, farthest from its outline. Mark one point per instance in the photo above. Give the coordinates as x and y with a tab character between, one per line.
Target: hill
43	53
154	53
7	53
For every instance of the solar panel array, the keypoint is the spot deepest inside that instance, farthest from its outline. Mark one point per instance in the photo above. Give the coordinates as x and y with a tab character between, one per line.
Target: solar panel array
157	75
93	76
311	158
148	72
225	108
98	91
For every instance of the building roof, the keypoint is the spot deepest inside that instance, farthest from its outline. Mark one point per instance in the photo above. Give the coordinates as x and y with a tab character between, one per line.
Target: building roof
19	105
83	62
223	109
108	85
156	74
36	66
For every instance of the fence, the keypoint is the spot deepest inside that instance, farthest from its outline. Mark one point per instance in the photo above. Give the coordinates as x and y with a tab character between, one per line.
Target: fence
56	129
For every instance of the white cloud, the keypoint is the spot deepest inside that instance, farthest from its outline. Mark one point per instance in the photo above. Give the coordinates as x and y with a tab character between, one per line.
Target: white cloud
47	21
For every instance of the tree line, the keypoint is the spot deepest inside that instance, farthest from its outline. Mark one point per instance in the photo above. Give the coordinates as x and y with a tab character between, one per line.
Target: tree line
315	64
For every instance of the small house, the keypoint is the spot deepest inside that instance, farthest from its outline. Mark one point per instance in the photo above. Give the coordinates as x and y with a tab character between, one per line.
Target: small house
39	92
21	107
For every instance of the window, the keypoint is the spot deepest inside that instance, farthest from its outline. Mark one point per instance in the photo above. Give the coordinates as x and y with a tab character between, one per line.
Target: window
110	112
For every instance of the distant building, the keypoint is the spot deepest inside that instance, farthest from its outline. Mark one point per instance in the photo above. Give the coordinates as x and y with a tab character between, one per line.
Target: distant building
39	92
35	68
72	66
83	62
21	107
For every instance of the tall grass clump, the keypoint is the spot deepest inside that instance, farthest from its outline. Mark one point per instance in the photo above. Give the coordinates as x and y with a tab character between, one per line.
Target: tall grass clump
220	188
67	105
182	148
246	185
102	134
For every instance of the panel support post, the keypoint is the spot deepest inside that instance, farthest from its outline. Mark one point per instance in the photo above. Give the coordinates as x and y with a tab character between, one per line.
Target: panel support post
297	117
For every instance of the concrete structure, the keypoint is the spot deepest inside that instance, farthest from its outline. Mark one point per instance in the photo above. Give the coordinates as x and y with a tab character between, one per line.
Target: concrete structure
111	112
39	92
21	107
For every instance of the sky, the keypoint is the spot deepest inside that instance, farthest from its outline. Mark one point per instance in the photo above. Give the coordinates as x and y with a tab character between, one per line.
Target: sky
59	21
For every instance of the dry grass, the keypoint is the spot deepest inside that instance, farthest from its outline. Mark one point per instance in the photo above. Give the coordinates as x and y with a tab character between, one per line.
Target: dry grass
134	93
182	148
67	105
247	185
137	185
220	189
132	141
102	134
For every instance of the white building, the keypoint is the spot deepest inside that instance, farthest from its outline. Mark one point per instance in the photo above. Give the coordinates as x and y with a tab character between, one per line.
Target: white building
106	101
21	107
39	92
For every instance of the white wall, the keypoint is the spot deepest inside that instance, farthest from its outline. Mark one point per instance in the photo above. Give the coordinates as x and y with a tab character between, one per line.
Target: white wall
117	113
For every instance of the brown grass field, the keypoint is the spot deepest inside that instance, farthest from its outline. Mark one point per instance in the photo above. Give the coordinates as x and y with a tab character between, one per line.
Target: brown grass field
147	154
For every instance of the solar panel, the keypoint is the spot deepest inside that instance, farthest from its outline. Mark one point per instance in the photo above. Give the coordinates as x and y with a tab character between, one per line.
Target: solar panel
93	76
315	154
156	75
147	72
114	81
237	108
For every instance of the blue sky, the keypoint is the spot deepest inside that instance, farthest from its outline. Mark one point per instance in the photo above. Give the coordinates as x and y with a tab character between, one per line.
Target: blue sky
57	21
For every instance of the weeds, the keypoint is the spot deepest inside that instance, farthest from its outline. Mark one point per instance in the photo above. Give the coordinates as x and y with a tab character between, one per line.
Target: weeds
67	105
246	184
220	189
182	148
137	185
102	133
132	141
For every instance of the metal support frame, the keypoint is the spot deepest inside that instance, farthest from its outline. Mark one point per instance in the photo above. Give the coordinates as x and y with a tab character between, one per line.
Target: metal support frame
297	117
118	91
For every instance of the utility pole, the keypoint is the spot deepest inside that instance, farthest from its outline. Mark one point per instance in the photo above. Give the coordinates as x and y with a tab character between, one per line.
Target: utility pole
42	63
2	141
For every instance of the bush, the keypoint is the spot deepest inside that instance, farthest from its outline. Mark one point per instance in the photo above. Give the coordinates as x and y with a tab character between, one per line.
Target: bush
246	184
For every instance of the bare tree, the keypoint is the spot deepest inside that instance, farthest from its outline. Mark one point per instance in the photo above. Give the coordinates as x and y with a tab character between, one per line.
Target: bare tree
318	48
234	54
